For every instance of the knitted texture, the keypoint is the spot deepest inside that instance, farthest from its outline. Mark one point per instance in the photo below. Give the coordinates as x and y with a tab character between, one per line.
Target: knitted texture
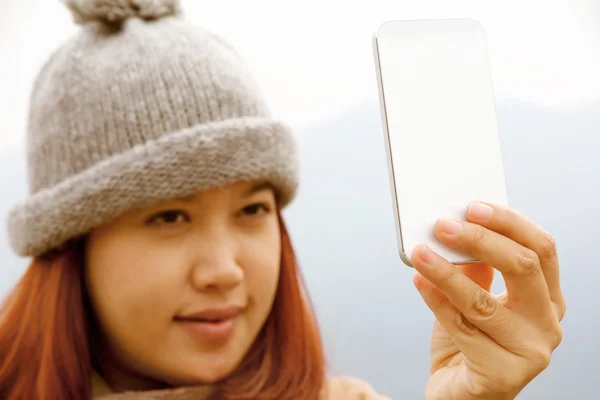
124	116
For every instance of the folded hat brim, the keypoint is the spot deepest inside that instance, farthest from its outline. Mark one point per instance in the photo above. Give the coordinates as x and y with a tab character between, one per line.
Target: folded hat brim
177	164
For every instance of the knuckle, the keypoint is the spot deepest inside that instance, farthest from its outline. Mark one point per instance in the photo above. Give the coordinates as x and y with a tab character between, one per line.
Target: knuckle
556	336
502	298
539	354
484	305
450	274
478	390
528	263
464	325
547	245
562	310
541	359
478	236
500	384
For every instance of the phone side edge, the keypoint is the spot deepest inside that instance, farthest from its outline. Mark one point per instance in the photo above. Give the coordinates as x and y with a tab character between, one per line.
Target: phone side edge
386	139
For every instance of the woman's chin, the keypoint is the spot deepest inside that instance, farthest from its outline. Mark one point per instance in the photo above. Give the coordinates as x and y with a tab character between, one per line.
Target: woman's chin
202	374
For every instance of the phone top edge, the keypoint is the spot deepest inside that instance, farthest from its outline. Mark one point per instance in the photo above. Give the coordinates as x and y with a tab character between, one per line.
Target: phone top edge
475	21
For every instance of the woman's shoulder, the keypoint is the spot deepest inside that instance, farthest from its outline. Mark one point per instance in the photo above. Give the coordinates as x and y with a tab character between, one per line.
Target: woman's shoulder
349	388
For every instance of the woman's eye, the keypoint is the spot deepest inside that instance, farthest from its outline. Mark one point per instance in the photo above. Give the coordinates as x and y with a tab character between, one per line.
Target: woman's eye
255	209
169	217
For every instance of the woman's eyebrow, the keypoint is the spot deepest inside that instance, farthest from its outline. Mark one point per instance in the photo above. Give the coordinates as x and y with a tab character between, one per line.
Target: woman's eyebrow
259	187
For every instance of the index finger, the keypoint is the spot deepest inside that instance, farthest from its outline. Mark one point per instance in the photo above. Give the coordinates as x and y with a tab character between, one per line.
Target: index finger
516	226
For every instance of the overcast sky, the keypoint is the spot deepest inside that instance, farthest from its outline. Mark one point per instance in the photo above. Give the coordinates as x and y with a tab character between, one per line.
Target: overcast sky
313	58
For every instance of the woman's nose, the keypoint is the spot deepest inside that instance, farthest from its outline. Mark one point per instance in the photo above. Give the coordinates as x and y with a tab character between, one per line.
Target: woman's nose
216	266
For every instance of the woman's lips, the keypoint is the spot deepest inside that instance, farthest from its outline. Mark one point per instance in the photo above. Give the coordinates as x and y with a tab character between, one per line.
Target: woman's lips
218	331
211	325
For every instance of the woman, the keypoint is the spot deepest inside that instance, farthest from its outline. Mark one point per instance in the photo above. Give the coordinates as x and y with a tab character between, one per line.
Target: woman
162	267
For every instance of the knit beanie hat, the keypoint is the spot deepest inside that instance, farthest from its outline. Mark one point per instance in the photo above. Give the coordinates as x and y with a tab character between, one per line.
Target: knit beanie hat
138	107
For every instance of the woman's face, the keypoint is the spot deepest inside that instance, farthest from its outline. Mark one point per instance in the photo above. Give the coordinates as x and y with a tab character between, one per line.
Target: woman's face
181	290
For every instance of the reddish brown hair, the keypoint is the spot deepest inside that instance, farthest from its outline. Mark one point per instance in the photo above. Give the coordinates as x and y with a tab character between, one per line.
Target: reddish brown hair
46	328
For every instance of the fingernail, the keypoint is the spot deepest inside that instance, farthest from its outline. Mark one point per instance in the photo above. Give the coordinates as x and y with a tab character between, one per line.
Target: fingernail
426	255
480	211
449	226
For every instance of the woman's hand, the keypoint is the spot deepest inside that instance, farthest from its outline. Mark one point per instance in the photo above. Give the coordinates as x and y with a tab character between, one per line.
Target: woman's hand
484	346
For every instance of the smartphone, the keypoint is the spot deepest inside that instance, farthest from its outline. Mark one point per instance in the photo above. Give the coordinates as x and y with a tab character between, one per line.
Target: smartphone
440	126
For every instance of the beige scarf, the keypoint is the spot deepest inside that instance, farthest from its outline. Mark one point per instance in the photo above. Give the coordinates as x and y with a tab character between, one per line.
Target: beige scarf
337	388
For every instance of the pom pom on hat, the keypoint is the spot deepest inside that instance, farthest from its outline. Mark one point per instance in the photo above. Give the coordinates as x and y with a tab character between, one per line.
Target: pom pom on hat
117	11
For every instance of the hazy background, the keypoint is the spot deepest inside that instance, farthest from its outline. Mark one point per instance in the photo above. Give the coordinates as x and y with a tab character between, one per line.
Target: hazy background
315	63
374	319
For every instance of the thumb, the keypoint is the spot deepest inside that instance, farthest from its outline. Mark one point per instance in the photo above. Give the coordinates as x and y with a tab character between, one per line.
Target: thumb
480	273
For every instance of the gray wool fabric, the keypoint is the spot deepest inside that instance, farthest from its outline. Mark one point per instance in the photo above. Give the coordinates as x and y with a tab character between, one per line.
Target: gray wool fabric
140	106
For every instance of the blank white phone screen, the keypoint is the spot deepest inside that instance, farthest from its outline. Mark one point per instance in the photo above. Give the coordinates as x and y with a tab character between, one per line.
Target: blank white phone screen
441	128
